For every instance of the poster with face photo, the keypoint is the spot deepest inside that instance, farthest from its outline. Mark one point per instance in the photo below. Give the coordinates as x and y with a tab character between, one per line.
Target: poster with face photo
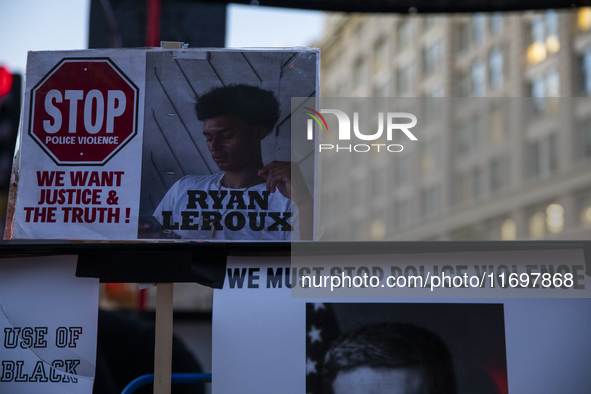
217	146
163	144
268	339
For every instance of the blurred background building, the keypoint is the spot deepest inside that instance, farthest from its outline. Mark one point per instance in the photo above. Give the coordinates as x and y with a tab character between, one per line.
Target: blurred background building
489	164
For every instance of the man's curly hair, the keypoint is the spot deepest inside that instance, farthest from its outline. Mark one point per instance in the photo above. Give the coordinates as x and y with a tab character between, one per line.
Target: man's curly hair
392	345
253	104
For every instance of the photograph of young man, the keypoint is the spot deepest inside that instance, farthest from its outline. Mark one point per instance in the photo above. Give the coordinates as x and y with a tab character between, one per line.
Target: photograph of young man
247	200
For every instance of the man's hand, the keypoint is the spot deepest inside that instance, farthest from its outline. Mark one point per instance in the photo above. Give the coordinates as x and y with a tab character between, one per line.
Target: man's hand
288	179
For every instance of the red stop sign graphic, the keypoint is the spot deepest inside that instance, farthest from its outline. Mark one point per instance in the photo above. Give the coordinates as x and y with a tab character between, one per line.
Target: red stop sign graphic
83	111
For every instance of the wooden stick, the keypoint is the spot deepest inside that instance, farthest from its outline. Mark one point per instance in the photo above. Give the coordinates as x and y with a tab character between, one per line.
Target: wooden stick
163	344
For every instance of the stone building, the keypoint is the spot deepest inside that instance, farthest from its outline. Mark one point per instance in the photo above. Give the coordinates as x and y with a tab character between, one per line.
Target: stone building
506	156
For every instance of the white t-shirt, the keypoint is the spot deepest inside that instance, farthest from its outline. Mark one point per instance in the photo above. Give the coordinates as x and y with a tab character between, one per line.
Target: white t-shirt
196	205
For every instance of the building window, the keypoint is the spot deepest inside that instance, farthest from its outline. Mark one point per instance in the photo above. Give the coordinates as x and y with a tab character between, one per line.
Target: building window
496	23
497	173
430	21
544	86
359	30
537	29
380	55
377	230
583	140
469	135
462	37
463	84
537	225
584	18
402	170
541	157
551	23
430	157
476	182
478	28
402	213
478	79
404	33
462	139
360	73
380	90
461	190
431	108
429	202
404	79
436	91
331	210
537	87
586	68
359	195
532	160
544	37
342	90
432	57
496	125
508	230
552	153
477	130
546	219
492	229
468	233
552	83
379	182
555	218
584	207
538	93
495	63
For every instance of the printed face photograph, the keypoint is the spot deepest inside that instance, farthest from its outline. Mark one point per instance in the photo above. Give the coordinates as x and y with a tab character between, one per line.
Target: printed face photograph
232	142
404	348
367	380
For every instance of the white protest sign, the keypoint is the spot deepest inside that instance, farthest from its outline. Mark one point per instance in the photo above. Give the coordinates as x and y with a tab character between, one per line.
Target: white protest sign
265	341
80	146
113	147
48	326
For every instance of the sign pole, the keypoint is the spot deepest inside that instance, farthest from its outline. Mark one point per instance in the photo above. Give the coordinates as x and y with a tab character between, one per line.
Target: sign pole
164	319
163	342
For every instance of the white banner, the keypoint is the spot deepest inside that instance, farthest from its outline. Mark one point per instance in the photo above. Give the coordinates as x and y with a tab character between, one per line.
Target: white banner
265	341
48	326
162	144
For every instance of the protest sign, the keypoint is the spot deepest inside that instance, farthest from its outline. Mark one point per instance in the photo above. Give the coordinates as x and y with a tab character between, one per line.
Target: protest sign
48	326
500	345
104	91
162	144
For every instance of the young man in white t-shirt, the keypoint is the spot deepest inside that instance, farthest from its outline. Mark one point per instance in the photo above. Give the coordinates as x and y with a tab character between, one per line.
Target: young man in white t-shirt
248	200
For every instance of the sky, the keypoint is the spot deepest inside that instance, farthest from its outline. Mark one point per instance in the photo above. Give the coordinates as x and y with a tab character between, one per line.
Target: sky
33	25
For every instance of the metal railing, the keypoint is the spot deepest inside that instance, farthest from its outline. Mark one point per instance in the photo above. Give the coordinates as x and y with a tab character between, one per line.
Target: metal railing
176	378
